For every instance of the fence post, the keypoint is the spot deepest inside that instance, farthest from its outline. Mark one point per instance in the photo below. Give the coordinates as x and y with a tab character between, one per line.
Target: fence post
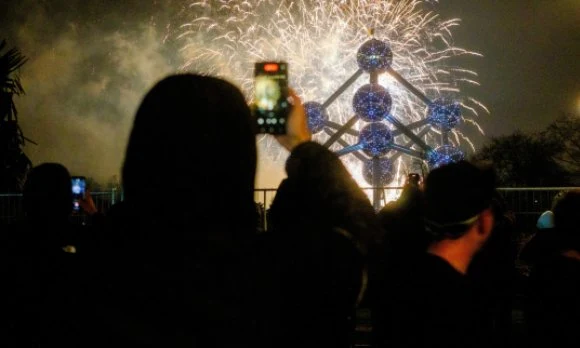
265	215
113	195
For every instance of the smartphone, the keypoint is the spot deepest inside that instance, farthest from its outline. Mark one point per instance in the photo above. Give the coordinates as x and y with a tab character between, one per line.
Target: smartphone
271	106
79	186
414	179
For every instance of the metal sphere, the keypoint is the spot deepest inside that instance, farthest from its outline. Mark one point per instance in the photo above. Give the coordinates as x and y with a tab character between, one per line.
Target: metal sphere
372	102
444	155
444	114
317	116
376	139
385	168
374	56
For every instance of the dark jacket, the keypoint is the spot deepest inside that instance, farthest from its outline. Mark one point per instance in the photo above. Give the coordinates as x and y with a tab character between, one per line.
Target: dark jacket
431	305
315	252
41	277
554	301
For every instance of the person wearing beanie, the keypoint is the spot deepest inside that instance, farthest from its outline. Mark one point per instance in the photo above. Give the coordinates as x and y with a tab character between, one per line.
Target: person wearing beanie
434	304
458	212
541	243
546	220
554	281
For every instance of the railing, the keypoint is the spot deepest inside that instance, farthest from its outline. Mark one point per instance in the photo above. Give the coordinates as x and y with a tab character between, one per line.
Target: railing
11	207
526	201
529	202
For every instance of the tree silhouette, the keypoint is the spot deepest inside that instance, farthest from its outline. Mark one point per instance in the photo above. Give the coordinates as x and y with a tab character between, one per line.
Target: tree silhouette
567	129
14	164
526	160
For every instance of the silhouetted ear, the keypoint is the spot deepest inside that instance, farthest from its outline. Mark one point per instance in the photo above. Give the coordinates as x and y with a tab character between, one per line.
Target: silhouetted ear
485	223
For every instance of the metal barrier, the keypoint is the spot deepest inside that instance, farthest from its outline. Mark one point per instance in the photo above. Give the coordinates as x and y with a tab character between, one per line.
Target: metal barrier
530	202
264	197
11	207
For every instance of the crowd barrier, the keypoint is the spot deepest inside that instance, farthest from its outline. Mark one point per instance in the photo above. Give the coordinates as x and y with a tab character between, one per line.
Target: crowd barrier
526	203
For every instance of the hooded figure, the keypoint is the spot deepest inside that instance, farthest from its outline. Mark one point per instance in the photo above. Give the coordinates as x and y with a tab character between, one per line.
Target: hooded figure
192	149
179	255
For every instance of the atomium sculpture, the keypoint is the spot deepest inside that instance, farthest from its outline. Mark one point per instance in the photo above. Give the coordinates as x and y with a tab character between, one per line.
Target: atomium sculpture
379	139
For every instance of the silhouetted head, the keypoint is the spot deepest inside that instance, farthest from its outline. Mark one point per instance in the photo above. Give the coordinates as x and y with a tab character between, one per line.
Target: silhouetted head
47	192
567	218
454	196
557	229
192	146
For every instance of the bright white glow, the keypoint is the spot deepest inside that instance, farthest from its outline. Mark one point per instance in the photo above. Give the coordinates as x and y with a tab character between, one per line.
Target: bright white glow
319	40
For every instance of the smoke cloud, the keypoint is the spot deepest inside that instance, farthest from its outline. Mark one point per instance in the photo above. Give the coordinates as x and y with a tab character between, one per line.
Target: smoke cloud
84	80
90	64
91	61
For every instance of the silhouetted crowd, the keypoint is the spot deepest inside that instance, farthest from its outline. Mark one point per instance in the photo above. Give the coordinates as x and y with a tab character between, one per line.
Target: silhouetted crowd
172	266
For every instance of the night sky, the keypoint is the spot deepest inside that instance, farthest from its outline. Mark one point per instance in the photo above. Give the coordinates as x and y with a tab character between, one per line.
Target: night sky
91	61
530	72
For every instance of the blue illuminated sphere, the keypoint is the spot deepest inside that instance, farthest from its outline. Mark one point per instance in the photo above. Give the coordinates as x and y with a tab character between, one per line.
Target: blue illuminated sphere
444	114
376	139
372	102
317	116
444	155
386	171
374	56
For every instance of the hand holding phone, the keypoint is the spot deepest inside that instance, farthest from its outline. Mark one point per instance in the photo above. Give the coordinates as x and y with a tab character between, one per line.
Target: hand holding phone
414	179
297	131
78	187
87	204
271	106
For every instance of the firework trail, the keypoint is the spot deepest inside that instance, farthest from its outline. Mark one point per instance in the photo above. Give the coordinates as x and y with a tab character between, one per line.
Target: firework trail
319	40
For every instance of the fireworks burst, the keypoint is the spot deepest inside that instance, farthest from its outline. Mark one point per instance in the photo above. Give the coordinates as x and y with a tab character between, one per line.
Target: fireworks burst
319	40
